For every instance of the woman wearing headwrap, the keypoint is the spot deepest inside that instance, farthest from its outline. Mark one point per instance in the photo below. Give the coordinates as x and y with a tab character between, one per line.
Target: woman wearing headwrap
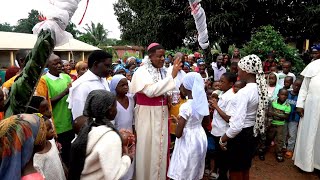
150	84
125	108
247	118
67	69
131	63
307	150
186	67
98	152
203	70
273	86
119	69
166	64
188	158
20	137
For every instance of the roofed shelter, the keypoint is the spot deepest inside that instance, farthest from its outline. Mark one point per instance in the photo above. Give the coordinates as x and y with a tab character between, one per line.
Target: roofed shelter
10	42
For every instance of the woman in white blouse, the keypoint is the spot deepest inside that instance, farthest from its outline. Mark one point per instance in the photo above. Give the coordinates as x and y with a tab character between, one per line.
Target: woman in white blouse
247	118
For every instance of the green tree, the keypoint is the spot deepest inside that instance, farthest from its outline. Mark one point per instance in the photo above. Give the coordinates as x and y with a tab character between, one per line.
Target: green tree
229	22
26	25
267	40
95	35
144	22
72	29
6	27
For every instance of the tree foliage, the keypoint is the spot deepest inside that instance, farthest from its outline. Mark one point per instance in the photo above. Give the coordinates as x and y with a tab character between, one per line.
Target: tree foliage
229	21
72	29
267	40
95	35
6	27
25	25
143	22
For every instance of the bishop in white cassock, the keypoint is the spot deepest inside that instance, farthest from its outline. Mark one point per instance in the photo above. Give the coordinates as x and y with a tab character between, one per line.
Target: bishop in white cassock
150	84
307	149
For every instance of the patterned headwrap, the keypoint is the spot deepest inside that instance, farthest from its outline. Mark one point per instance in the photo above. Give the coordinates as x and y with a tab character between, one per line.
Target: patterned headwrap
200	62
252	64
187	65
139	61
130	60
119	67
18	136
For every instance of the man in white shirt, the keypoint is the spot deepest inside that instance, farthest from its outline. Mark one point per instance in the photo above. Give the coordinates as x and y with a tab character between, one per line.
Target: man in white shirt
99	63
218	68
286	68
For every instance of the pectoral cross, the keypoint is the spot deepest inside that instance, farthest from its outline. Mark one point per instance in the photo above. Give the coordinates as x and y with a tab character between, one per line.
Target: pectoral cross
162	101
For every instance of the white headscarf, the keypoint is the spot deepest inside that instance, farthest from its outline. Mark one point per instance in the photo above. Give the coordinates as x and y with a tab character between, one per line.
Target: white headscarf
193	82
252	64
131	59
115	81
65	62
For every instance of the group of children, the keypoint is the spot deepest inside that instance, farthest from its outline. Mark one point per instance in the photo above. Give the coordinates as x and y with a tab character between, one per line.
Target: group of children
282	120
202	119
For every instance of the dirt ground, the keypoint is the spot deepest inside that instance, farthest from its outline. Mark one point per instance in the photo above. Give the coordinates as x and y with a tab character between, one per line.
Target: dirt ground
270	169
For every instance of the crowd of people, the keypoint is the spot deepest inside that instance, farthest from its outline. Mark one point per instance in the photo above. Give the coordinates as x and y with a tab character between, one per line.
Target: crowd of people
158	118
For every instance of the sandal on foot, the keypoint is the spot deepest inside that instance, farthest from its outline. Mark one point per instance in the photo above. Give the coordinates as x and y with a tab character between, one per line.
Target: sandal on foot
262	157
207	172
213	176
289	154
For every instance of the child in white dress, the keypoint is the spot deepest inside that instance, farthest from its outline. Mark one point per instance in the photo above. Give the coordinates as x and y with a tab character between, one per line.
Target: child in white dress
47	161
125	110
188	158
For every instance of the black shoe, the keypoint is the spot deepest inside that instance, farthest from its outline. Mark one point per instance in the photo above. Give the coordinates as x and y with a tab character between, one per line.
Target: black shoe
279	158
262	157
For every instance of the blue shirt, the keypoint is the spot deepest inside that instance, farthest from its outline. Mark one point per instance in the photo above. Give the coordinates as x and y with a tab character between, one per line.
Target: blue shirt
292	100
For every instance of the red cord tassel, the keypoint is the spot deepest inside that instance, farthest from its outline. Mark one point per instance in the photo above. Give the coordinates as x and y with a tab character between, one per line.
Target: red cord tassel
84	12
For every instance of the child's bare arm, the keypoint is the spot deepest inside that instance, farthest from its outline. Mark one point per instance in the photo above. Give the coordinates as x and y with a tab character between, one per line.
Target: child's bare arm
180	125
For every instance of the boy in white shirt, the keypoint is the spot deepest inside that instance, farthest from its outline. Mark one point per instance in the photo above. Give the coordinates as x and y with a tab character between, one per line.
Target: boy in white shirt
286	68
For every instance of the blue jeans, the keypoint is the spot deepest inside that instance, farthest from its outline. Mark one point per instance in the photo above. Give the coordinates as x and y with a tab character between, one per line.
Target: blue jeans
291	129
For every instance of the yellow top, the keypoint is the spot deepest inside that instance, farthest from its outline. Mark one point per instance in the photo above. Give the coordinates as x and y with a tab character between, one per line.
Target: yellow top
74	72
174	110
9	82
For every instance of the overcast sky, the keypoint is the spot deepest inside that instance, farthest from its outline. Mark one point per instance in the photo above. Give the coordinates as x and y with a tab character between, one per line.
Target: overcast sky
98	11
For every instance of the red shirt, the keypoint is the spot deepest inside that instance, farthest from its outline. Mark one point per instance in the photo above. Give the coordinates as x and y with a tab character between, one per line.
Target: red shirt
267	65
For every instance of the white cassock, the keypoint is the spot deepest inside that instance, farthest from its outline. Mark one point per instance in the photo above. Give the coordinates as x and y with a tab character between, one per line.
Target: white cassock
307	148
80	90
151	122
